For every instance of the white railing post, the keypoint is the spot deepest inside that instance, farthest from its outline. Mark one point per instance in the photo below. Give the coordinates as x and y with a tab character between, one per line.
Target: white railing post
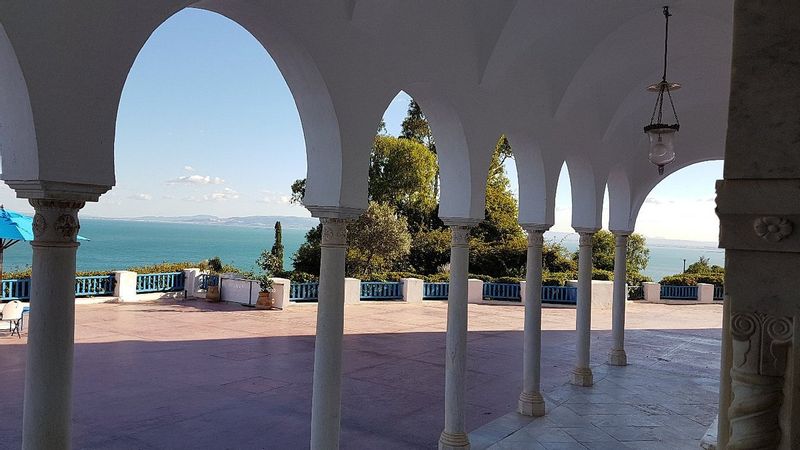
125	285
281	288
413	290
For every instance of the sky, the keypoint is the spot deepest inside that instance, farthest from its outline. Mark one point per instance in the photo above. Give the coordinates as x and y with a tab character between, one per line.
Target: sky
207	125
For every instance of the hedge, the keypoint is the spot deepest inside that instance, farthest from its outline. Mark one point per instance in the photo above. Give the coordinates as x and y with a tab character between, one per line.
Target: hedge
691	279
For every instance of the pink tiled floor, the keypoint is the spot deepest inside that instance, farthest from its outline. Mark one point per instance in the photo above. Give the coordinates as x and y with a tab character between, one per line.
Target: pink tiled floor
196	375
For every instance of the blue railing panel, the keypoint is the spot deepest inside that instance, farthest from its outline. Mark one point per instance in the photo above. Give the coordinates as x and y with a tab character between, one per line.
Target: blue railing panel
379	290
304	291
204	280
16	289
435	291
719	292
501	291
679	292
160	282
96	285
560	294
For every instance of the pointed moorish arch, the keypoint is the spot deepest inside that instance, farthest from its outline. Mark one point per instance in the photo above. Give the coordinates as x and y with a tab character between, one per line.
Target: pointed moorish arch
18	148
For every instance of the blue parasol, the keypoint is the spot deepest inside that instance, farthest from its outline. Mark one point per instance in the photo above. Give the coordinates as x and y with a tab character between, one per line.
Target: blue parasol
15	227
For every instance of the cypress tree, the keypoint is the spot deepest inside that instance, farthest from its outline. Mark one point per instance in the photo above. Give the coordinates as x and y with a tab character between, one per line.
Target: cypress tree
277	247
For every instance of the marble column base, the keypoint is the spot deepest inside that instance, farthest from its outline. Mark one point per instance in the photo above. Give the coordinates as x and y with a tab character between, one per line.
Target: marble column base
453	441
531	404
582	376
617	357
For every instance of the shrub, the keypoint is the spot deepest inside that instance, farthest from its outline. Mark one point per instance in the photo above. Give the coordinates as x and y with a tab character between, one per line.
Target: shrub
603	275
557	278
392	276
164	267
691	279
508	280
484	278
438	277
301	277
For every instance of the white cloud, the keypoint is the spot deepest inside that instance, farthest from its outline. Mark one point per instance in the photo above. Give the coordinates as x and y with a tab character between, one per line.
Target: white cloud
225	194
197	179
188	168
145	197
274	198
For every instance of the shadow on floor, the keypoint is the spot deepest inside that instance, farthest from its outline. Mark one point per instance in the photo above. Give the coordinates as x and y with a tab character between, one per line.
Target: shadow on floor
256	392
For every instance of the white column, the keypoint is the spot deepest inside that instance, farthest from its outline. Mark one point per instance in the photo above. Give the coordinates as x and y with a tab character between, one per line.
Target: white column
454	435
47	413
327	392
531	402
582	373
617	356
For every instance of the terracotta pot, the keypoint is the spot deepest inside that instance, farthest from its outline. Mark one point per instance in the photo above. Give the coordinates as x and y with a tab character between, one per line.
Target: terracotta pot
265	301
212	294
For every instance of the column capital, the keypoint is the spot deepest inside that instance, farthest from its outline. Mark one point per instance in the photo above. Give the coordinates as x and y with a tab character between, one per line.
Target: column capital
468	222
334	232
535	238
334	212
585	230
55	222
535	227
460	235
57	190
585	236
625	233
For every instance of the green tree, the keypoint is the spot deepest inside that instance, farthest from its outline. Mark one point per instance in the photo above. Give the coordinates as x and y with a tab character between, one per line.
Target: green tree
500	223
703	265
307	257
402	174
379	241
556	258
277	248
298	191
430	251
636	258
416	128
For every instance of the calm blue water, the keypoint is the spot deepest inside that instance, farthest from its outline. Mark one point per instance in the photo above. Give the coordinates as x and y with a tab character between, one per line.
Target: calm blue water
119	244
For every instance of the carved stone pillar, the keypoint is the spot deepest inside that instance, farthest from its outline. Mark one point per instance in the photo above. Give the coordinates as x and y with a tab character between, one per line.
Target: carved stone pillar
47	413
617	355
454	435
531	402
758	204
760	344
582	373
327	390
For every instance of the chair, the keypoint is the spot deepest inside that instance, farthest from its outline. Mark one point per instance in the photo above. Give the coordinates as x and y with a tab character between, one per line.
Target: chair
12	313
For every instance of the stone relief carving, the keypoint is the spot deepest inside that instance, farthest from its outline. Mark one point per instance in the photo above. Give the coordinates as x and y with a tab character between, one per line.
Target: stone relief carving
334	232
39	224
773	229
68	226
760	348
460	235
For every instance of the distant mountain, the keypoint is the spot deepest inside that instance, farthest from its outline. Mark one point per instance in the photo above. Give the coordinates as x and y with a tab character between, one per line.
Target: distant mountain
246	221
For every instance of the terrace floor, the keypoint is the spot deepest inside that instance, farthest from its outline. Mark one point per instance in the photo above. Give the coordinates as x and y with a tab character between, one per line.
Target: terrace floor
191	374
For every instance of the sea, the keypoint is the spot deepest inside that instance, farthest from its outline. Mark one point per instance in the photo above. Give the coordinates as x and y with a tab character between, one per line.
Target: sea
116	244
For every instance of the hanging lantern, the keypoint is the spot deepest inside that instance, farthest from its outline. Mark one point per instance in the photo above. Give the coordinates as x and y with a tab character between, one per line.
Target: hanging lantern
662	135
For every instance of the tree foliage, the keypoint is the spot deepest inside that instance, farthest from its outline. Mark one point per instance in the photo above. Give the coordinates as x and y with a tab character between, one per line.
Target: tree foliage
430	251
402	174
307	257
277	248
415	127
636	257
500	223
379	241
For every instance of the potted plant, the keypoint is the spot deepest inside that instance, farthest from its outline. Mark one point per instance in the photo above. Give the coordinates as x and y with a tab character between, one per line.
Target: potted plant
214	268
268	263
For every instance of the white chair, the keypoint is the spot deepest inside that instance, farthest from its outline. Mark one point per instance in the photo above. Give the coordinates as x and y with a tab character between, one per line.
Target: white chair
12	313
